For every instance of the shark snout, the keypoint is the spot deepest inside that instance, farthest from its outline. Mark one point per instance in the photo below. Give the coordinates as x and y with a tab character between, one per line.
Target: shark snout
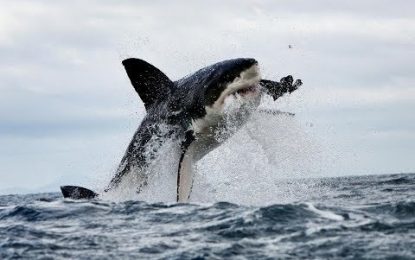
237	66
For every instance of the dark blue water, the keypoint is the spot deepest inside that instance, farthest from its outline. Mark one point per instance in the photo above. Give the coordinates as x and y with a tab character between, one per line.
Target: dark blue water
355	217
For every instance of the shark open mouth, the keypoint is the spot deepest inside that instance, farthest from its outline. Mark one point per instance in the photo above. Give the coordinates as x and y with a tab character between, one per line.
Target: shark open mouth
246	90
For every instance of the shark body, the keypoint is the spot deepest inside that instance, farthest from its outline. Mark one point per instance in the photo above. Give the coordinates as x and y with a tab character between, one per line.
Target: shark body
199	111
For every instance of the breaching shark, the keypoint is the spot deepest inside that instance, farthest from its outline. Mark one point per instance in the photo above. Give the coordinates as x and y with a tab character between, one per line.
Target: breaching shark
199	111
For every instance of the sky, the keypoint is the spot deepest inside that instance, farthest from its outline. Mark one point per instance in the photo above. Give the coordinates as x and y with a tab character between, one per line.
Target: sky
67	110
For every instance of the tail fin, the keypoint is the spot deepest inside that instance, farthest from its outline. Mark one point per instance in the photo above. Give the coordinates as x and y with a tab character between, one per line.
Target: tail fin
76	193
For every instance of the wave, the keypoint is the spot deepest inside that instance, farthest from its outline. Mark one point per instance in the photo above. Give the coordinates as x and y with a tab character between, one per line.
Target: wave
320	224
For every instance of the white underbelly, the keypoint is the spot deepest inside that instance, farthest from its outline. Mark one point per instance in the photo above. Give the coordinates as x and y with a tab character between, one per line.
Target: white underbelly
210	132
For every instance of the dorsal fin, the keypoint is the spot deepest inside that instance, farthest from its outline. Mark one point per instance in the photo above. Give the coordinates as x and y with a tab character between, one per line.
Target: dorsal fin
150	83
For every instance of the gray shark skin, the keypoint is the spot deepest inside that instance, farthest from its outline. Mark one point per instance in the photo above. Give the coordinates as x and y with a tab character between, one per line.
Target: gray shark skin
199	112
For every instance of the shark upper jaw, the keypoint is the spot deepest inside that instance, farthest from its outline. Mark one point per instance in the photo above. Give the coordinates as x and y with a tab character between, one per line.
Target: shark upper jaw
244	87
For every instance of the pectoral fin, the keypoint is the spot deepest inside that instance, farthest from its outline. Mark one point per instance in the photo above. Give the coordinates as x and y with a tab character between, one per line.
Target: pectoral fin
185	171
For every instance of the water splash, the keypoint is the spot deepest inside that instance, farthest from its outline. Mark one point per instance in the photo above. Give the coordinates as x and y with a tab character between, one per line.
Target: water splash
160	175
249	168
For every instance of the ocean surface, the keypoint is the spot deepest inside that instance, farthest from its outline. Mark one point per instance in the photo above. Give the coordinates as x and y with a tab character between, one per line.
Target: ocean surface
369	217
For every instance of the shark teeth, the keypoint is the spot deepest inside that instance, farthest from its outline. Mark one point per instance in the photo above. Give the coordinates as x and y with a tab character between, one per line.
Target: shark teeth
246	90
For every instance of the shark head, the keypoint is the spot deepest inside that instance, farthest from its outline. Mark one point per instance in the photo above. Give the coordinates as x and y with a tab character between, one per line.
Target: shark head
229	90
231	80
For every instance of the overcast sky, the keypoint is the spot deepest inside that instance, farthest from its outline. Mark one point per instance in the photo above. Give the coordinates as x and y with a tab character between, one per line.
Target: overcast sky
67	110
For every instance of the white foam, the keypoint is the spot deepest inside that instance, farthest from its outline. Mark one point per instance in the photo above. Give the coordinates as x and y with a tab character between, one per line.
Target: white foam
324	213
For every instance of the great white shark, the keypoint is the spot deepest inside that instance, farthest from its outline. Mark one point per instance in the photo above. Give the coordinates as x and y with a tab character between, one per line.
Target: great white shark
199	112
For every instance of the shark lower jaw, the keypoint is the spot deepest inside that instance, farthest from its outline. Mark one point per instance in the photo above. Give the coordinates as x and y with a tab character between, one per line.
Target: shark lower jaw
247	91
244	95
238	99
233	111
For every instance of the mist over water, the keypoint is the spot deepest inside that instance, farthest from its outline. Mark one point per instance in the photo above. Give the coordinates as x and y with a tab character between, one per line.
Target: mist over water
250	166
